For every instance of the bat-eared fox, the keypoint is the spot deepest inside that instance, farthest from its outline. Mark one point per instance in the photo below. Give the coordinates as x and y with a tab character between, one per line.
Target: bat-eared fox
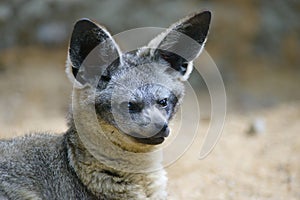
122	103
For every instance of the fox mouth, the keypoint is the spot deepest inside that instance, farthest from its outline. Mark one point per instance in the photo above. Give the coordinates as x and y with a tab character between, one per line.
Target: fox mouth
152	140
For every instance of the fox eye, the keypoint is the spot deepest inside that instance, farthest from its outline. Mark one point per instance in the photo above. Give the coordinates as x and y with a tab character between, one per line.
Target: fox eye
185	65
163	103
133	107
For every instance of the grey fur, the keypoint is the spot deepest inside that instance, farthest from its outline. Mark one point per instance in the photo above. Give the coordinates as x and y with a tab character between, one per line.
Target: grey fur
131	96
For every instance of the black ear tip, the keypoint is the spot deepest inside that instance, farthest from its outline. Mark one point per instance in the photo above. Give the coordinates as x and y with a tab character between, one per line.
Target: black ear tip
206	12
84	20
206	15
84	23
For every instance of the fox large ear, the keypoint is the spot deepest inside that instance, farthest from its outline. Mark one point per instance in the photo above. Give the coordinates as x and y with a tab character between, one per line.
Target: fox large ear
180	44
91	50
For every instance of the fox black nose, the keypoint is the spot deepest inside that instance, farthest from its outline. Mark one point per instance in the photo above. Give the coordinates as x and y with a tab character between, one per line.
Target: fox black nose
164	131
164	128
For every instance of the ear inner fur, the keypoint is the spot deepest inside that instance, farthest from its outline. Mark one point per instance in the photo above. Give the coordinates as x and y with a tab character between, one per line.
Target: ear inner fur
182	42
85	37
92	46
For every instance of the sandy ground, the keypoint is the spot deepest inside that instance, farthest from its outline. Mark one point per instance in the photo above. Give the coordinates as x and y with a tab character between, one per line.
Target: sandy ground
243	166
35	94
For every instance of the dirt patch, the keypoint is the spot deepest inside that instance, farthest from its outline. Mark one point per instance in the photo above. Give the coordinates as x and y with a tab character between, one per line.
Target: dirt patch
243	166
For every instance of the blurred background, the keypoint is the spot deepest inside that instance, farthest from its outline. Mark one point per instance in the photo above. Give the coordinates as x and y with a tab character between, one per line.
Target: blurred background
255	44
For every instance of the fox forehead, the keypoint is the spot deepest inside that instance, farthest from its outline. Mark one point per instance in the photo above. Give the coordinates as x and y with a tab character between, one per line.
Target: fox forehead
140	72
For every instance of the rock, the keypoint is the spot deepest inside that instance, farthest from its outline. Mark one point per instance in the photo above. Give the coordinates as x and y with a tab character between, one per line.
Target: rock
257	126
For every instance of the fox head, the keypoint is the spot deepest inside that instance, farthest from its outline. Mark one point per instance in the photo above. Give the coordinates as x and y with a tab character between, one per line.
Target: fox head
134	94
